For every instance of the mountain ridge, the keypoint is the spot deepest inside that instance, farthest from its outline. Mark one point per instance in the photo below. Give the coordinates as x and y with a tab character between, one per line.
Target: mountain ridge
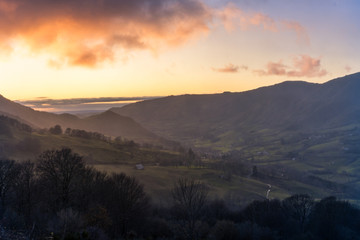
120	125
286	106
289	105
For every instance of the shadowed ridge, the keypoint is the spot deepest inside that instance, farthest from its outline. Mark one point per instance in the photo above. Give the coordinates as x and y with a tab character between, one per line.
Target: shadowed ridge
113	124
35	118
107	123
290	105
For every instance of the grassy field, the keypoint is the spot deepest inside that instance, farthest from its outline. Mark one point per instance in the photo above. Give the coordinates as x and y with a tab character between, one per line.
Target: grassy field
158	182
320	164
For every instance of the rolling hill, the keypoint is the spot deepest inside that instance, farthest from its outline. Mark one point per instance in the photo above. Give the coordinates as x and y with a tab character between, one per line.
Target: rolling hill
20	142
293	131
302	137
224	119
108	123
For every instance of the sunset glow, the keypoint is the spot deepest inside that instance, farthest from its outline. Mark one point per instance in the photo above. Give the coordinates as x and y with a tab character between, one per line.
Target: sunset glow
112	48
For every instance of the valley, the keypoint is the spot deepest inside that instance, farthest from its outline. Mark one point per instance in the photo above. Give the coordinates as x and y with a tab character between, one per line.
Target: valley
289	135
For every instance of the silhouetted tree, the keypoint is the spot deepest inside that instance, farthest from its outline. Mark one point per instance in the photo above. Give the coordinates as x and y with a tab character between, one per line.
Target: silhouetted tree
68	131
56	130
59	172
127	202
254	171
189	198
299	207
190	158
98	216
267	213
25	188
9	171
226	230
216	210
335	219
6	122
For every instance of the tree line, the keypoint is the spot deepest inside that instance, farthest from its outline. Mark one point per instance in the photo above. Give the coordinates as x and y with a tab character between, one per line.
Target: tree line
59	197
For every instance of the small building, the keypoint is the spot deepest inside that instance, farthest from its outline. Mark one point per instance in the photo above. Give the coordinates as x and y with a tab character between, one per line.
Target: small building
139	167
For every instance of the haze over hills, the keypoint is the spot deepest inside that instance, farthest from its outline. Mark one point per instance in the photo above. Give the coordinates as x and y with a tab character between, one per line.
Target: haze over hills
108	123
288	106
294	130
217	119
302	137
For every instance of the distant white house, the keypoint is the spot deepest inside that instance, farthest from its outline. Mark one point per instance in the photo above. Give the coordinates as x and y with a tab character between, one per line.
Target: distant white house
139	167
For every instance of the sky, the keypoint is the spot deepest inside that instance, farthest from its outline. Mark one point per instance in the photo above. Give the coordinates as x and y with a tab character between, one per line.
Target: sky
73	49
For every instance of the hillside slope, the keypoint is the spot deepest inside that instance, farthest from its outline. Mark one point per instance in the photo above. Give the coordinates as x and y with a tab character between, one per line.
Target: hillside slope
20	142
288	106
35	118
108	123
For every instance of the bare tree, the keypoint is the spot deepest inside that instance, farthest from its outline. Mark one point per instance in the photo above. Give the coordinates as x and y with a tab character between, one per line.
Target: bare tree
128	202
299	207
59	172
25	190
8	173
189	198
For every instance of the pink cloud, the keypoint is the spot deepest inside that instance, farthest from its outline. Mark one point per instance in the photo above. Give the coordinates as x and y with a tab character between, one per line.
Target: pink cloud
273	68
263	20
303	66
347	68
301	33
230	68
233	17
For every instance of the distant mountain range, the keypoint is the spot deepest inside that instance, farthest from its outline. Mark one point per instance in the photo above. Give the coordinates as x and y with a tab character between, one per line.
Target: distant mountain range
302	137
224	118
217	119
108	122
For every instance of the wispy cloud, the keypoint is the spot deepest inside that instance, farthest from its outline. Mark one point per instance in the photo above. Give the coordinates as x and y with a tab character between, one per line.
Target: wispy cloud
301	33
303	66
233	18
230	68
347	68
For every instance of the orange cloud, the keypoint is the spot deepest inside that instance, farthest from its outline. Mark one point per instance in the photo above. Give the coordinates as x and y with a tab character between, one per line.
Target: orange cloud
88	33
303	66
7	6
230	68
